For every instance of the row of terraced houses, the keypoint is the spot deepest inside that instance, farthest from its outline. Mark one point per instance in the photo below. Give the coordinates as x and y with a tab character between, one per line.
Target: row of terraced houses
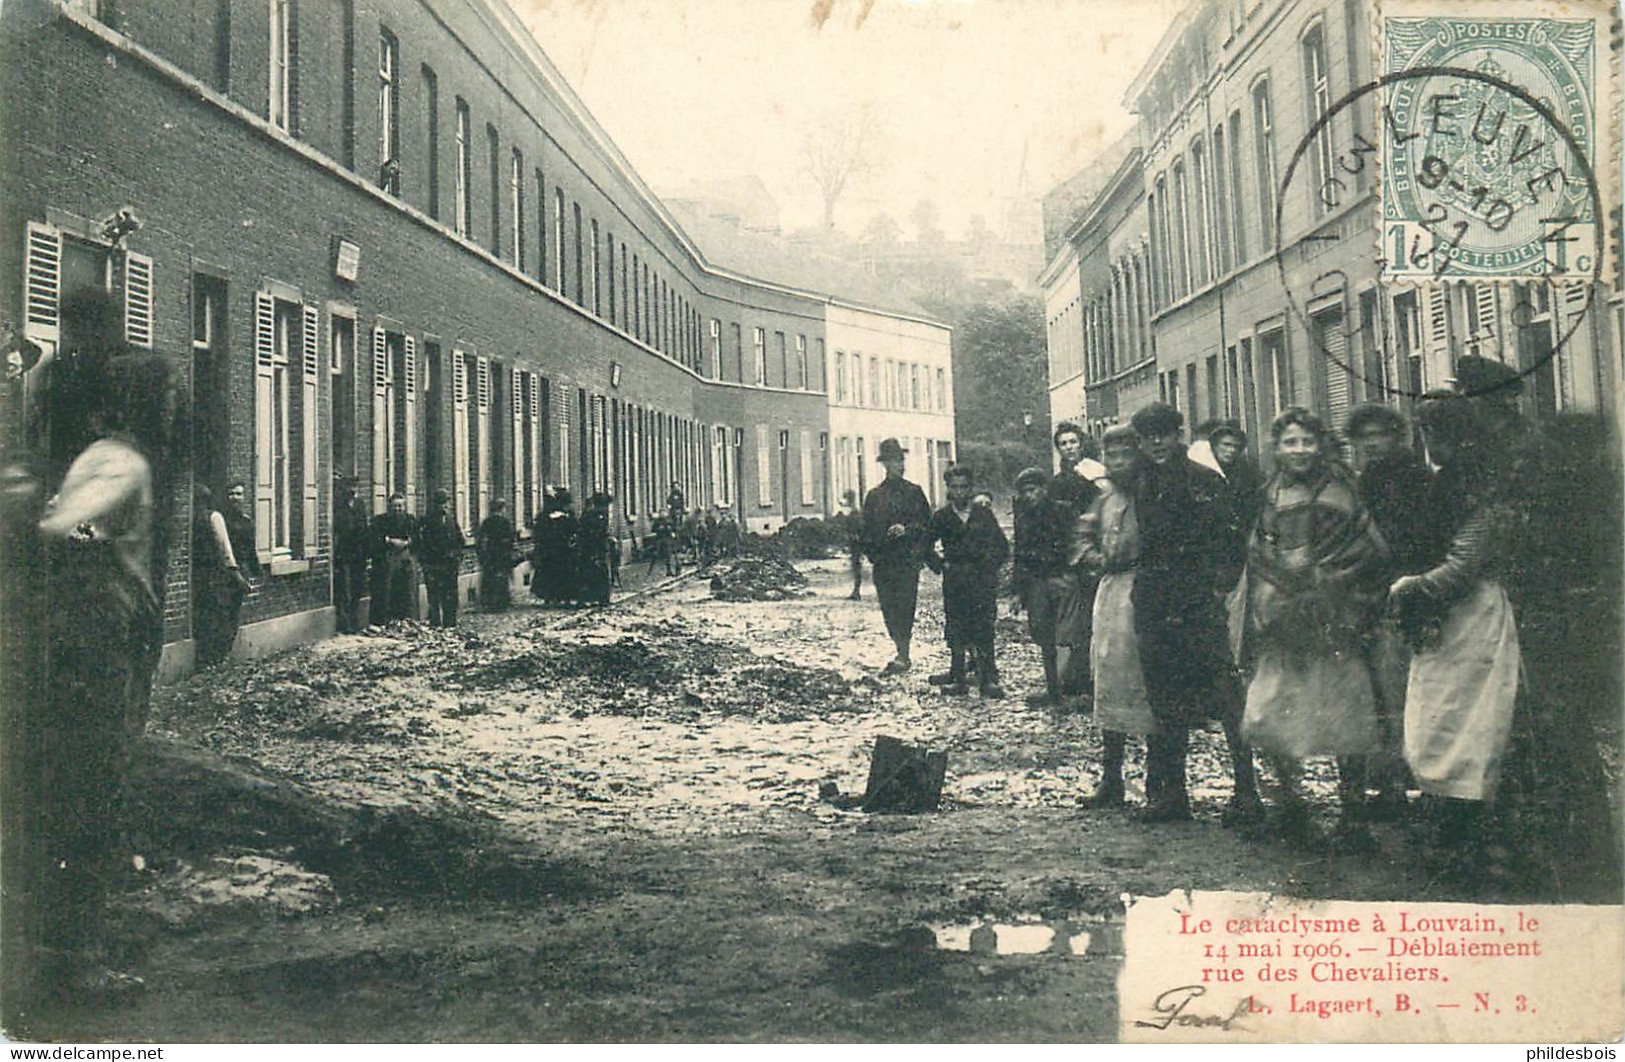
388	243
1166	278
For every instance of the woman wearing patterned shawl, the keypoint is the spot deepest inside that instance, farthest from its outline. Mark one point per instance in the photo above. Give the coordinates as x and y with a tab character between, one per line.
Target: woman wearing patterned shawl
1313	587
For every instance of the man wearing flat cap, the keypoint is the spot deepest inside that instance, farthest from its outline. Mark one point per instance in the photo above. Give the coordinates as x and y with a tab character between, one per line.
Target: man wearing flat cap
439	546
1184	523
896	519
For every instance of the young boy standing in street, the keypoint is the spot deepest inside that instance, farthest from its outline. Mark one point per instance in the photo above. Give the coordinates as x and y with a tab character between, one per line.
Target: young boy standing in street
967	548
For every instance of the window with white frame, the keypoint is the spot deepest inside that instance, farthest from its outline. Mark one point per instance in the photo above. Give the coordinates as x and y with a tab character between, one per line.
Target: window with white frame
942	392
493	168
840	376
592	270
808	496
1264	157
1238	220
463	174
516	206
389	113
801	361
609	273
764	469
286	369
721	461
716	349
914	387
1318	98
284	29
758	338
875	398
562	258
1200	213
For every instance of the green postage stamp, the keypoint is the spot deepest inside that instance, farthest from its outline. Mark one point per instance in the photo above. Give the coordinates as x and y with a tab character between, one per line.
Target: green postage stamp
1498	145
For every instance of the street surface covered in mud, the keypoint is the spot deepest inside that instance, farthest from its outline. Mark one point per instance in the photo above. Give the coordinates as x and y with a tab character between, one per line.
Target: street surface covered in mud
607	825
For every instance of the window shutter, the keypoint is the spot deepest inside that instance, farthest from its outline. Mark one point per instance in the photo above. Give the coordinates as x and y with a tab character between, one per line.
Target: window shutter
138	300
1575	299
1488	300
459	435
538	471
42	318
264	416
482	406
309	414
409	437
1436	332
1334	348
380	425
516	446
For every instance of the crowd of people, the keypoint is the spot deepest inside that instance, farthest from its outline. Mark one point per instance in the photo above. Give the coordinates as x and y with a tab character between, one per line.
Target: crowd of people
1416	601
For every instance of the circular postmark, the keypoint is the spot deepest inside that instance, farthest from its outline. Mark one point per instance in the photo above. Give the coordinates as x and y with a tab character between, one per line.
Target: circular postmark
1483	181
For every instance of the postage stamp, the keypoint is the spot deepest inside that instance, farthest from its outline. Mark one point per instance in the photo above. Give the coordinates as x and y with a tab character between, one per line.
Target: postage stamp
1497	145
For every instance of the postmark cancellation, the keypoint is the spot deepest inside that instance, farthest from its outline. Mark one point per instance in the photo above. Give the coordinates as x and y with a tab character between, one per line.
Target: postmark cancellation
1498	145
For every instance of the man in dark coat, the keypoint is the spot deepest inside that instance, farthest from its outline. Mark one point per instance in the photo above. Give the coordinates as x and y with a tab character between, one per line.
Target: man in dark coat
1394	486
895	519
973	549
495	542
439	549
1244	488
1047	548
1077	492
394	575
349	558
1184	526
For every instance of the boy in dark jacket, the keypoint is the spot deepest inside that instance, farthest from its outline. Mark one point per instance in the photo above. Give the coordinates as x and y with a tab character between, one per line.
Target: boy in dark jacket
967	549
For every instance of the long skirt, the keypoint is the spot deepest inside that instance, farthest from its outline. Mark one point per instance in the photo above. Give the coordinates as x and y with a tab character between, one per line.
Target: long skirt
1460	696
1315	705
1114	655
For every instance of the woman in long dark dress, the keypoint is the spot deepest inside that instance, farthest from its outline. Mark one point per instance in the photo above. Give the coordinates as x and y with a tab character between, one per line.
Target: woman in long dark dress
592	551
553	550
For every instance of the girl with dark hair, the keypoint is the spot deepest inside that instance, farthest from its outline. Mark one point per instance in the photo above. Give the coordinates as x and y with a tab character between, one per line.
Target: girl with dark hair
1313	587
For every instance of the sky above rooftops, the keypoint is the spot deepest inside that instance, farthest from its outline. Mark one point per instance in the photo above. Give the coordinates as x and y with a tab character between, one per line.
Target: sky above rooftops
961	92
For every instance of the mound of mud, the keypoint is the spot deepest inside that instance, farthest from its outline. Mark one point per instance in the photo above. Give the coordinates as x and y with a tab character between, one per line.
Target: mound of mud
757	577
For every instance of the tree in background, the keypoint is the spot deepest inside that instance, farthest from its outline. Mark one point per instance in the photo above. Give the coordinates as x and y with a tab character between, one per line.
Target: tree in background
1001	388
836	149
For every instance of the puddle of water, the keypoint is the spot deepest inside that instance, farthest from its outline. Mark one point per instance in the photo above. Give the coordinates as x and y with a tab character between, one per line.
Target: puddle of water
1013	938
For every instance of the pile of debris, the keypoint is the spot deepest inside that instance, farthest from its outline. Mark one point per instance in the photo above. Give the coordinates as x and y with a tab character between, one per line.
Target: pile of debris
757	577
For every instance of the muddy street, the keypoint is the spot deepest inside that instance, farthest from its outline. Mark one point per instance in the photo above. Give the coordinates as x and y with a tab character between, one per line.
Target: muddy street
606	825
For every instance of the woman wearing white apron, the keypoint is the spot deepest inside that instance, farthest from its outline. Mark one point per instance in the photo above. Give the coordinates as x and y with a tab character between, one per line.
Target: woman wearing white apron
1112	548
1464	672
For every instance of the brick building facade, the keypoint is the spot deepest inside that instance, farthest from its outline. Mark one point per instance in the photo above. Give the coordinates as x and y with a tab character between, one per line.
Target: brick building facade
386	241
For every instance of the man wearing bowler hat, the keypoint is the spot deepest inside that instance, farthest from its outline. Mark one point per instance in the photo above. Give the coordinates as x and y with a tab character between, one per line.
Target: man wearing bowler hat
896	518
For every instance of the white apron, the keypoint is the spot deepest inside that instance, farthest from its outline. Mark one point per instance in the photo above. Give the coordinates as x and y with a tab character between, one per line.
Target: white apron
1114	654
1459	698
